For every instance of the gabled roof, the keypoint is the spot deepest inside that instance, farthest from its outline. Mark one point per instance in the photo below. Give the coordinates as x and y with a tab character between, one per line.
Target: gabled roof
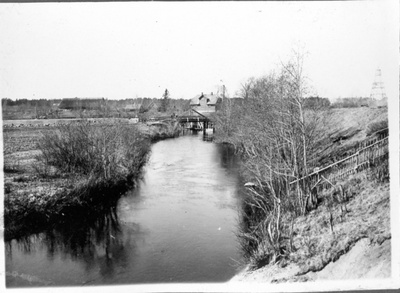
209	98
195	100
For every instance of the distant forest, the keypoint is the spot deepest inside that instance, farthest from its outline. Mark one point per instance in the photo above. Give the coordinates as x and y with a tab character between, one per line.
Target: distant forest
143	108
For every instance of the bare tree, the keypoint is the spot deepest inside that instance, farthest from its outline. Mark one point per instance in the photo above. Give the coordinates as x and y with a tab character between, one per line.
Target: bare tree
277	137
246	88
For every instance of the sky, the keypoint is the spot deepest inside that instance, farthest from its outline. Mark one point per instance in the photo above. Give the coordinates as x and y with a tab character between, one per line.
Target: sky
138	49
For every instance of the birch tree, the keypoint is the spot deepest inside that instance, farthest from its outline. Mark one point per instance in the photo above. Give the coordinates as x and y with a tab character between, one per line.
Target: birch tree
276	136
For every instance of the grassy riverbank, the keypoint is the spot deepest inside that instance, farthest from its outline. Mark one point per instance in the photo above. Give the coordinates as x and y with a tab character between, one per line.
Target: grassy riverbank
350	219
54	174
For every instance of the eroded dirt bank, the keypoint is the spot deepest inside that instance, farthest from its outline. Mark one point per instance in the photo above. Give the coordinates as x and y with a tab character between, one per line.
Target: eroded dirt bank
365	260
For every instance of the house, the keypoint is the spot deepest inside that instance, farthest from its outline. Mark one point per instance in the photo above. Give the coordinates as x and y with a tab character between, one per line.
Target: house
204	104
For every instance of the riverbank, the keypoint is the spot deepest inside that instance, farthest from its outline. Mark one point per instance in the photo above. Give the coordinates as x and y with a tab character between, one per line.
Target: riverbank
38	196
348	221
358	247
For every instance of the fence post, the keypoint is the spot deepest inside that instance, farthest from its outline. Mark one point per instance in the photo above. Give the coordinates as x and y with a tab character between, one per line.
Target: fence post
356	167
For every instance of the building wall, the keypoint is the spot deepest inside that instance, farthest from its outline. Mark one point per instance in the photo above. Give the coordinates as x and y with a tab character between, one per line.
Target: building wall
204	108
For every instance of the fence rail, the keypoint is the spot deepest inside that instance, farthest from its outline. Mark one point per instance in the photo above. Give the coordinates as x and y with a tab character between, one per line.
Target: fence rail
371	151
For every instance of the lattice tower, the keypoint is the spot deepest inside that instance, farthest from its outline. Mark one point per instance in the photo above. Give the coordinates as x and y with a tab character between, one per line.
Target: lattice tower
378	88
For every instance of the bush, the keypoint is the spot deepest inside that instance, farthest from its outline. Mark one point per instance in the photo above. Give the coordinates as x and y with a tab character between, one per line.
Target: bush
163	131
105	152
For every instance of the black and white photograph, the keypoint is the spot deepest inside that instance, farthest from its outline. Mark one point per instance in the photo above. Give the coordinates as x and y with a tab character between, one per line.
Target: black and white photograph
216	146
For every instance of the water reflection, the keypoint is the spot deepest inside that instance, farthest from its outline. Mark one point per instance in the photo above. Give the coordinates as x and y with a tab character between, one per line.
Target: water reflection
96	242
208	136
79	237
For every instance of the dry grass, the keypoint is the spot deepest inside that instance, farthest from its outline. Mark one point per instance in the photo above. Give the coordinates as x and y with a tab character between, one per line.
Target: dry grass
345	128
358	118
367	216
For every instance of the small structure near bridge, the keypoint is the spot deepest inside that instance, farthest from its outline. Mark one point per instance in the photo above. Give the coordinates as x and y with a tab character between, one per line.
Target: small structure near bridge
204	104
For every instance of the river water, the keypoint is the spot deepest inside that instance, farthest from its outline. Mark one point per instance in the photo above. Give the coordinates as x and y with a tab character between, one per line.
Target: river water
178	225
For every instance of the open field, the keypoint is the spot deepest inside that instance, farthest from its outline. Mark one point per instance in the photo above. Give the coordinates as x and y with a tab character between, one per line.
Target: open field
54	122
21	139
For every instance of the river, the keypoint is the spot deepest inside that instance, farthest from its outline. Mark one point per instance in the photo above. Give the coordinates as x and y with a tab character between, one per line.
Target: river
177	226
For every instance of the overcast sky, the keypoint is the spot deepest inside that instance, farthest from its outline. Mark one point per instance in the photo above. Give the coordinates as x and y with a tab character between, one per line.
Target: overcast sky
127	50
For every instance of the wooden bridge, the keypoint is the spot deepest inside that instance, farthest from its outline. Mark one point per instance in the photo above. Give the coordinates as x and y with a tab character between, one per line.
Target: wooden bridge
196	123
193	122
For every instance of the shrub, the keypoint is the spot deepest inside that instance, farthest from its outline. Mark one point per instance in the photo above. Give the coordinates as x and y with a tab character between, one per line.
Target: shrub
167	130
105	152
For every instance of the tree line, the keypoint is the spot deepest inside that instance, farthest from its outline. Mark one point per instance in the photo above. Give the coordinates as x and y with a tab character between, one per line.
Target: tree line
100	107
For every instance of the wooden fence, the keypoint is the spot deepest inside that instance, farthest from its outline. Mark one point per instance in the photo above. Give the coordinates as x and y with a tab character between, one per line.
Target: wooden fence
370	152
